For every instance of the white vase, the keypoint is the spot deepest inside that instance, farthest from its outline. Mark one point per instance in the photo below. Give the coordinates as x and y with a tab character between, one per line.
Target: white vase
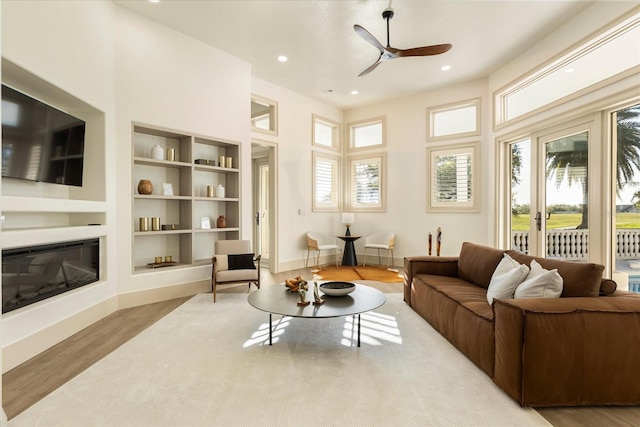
157	152
220	191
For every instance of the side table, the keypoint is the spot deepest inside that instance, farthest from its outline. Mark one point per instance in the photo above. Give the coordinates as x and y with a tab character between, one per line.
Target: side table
349	256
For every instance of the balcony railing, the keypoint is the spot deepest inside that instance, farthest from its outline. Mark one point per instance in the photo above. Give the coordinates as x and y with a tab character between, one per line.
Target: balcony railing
574	244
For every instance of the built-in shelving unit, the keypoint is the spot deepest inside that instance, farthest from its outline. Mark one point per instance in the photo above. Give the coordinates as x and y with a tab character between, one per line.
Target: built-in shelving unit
186	205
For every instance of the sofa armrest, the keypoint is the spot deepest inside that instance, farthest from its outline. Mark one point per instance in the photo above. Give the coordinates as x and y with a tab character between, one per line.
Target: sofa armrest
441	266
568	351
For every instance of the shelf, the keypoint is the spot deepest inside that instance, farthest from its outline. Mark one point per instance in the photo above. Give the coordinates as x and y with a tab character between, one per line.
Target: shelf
216	199
215	230
160	197
15	238
161	163
41	204
159	232
190	180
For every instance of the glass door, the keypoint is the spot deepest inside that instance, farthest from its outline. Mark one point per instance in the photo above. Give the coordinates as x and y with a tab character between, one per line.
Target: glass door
547	193
564	220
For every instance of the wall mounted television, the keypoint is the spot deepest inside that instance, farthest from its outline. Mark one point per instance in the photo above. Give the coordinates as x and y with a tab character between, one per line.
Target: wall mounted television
40	142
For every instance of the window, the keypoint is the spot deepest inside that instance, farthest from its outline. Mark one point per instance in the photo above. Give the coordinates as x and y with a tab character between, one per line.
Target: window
610	53
366	183
454	120
326	197
453	178
264	115
326	133
367	134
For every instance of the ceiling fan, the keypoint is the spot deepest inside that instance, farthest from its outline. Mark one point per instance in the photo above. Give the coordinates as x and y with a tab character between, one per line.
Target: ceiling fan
387	53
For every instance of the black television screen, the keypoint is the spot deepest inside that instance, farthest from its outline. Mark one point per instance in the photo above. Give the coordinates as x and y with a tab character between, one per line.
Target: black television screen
40	142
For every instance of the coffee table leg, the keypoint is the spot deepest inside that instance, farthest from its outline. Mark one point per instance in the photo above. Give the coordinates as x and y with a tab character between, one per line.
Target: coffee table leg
270	328
358	330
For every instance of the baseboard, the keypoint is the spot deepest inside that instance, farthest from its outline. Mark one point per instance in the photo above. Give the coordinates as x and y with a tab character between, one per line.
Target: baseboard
150	296
28	347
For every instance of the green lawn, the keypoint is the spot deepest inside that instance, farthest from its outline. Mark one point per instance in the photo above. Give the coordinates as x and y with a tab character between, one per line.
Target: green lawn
623	221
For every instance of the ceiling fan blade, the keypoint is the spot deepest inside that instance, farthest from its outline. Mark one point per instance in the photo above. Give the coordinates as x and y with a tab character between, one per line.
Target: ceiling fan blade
436	49
370	69
368	37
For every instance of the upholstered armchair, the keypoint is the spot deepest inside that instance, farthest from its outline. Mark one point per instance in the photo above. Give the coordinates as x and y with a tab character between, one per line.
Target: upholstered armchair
233	262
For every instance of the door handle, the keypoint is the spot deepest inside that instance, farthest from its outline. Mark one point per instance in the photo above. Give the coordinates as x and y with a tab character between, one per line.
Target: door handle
539	221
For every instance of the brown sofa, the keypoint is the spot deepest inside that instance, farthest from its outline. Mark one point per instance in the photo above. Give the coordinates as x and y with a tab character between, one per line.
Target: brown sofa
580	349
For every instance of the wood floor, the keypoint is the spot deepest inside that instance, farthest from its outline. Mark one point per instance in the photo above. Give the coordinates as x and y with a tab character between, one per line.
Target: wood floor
28	383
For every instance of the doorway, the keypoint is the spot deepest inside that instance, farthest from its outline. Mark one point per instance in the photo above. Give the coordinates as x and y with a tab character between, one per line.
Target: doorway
264	192
549	195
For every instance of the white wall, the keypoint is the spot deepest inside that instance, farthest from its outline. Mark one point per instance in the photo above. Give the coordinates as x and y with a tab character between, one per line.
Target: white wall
294	170
406	215
70	46
166	79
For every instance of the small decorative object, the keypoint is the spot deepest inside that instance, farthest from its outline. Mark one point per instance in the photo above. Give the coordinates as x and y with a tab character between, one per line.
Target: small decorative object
336	289
221	161
294	284
302	291
167	258
209	190
145	187
205	222
158	259
229	162
155	223
316	295
157	152
144	223
439	241
221	222
205	162
430	243
347	220
167	189
171	154
169	226
220	191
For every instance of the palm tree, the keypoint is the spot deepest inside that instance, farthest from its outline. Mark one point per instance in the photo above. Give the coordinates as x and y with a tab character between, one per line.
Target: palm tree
568	157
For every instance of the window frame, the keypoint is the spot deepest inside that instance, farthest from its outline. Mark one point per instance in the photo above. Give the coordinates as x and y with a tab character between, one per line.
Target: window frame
335	133
433	111
353	125
272	114
329	207
351	162
472	205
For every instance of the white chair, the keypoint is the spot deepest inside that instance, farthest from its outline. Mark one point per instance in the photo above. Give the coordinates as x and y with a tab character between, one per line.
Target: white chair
234	262
381	240
319	242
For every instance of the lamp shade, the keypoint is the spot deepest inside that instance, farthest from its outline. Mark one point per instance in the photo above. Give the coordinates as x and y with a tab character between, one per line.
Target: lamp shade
347	217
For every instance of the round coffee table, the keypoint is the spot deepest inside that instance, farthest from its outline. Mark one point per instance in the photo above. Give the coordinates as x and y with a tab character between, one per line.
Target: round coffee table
278	300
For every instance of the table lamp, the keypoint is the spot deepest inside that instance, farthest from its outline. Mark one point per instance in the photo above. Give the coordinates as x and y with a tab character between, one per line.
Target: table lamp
347	219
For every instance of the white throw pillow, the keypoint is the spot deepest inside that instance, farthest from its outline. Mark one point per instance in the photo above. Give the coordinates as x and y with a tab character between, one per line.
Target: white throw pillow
507	276
540	283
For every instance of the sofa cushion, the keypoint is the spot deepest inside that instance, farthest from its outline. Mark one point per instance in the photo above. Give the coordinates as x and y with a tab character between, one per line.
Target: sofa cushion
507	276
471	297
580	279
540	283
477	263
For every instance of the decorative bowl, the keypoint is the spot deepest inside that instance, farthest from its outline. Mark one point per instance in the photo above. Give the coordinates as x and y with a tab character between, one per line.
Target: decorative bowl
337	289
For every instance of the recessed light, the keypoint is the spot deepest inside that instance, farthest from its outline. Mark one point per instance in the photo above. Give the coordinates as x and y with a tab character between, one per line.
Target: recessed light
282	58
154	1
569	70
354	92
445	67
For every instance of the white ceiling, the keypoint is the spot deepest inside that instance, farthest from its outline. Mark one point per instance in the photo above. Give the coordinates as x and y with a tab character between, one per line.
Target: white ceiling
326	54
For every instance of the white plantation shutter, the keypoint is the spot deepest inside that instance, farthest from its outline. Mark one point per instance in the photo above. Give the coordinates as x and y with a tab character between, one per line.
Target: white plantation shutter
453	178
366	178
325	183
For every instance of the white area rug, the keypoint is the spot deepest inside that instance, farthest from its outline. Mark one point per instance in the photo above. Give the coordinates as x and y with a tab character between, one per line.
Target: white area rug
211	365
